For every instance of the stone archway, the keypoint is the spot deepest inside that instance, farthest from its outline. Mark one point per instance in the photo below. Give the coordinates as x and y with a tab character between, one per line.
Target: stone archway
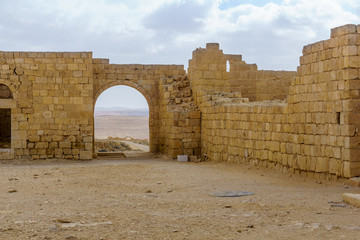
140	90
124	83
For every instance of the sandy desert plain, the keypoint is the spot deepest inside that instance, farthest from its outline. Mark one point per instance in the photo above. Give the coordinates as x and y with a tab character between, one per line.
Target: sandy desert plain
158	198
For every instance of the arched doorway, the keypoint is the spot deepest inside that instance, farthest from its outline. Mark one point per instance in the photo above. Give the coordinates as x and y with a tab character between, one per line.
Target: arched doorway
121	121
6	97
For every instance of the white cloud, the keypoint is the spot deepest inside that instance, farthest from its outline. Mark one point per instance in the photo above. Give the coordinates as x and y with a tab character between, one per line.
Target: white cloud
270	33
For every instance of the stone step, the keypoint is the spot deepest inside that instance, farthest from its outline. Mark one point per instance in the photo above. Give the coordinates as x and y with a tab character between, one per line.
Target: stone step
351	198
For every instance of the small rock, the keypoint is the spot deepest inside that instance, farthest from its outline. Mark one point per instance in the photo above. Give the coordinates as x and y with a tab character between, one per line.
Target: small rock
71	238
250	226
148	191
6	229
12	191
228	206
62	221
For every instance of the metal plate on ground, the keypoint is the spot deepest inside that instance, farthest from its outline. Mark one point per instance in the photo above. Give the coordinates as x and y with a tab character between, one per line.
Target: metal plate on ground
231	194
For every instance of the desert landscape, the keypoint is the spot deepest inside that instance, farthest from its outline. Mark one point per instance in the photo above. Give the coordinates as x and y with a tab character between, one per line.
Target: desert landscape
157	198
254	128
119	130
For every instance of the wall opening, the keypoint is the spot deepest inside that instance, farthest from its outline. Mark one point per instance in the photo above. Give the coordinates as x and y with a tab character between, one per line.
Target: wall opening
338	117
5	117
227	66
5	128
121	121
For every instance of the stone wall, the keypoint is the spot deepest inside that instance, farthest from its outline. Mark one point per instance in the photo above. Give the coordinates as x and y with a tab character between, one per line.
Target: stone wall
304	121
208	71
315	131
54	95
324	102
52	109
180	118
147	79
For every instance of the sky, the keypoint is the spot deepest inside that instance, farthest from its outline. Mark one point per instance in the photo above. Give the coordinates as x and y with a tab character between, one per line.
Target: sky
268	33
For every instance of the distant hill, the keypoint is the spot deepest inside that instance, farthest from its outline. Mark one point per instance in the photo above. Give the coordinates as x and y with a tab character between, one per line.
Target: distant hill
120	111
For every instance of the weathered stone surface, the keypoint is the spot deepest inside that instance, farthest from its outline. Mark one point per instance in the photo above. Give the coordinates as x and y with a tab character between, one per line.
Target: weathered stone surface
353	199
315	130
304	121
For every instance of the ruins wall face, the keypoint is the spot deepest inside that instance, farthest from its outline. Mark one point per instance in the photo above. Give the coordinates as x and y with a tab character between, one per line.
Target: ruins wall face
147	79
47	103
211	69
304	121
314	131
51	109
180	118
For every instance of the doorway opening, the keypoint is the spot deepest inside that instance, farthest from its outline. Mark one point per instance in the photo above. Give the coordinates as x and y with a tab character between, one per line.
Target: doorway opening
121	122
5	117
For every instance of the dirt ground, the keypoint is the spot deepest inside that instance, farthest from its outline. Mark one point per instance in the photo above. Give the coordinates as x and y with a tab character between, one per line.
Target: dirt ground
166	199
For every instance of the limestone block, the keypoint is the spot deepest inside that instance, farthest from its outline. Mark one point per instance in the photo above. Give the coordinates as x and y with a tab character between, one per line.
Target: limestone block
322	164
195	114
41	145
65	145
175	143
351	198
73	67
68	152
88	146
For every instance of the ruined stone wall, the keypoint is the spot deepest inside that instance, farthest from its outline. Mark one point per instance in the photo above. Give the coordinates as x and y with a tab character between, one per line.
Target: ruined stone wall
315	131
224	114
243	132
324	103
180	118
53	96
208	71
259	85
147	79
52	104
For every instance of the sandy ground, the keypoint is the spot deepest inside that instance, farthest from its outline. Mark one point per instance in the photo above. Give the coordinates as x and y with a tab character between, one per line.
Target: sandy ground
165	199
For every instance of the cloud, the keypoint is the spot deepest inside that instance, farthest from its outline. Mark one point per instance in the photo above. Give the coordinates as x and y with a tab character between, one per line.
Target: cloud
272	35
269	33
181	17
